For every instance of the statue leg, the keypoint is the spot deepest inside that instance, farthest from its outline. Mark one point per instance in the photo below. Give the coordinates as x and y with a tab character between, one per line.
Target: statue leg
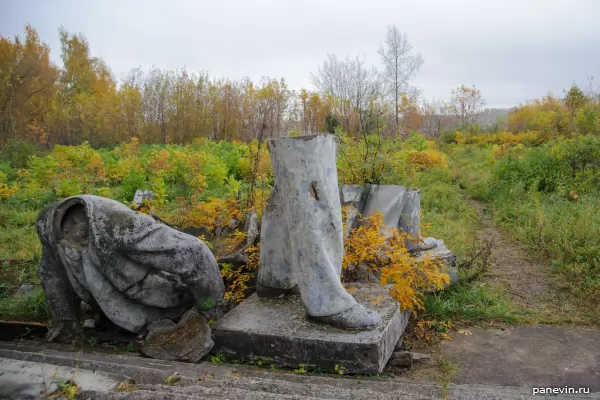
310	212
61	299
275	276
63	303
410	222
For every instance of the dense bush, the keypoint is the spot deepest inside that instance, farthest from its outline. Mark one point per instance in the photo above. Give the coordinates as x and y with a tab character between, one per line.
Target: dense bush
385	161
559	167
214	184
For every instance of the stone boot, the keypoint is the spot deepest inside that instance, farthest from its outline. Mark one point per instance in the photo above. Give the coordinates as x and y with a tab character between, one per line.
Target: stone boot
302	239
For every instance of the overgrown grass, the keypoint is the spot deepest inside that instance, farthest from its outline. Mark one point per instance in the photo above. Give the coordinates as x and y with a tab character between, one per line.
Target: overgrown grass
471	302
18	233
446	212
448	215
30	307
20	252
566	232
472	168
548	198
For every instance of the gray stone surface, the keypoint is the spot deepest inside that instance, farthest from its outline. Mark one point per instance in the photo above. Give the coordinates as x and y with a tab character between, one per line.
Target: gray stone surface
121	262
531	356
225	381
189	340
280	330
251	228
243	388
25	290
142	195
26	379
161	323
301	235
352	198
401	209
89	323
399	343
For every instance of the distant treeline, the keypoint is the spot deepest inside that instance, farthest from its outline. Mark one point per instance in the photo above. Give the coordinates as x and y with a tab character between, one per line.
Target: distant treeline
82	101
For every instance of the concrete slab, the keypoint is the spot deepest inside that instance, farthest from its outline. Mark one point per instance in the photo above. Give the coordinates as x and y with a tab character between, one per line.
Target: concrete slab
532	356
27	378
279	330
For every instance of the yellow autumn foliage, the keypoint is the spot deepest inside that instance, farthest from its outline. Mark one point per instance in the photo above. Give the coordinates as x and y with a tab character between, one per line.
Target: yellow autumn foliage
7	191
263	167
216	212
503	139
423	160
384	250
237	279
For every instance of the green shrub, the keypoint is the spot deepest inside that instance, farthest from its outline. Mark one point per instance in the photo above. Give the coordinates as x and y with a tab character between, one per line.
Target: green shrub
30	307
548	198
133	181
448	137
19	152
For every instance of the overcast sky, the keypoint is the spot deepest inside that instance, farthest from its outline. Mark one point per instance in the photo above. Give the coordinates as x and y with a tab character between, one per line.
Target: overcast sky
512	50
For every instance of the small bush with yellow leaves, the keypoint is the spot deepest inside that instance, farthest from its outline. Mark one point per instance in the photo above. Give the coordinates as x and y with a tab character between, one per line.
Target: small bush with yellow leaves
384	250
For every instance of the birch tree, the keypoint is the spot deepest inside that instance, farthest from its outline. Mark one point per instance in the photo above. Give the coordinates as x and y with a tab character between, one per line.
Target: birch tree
400	68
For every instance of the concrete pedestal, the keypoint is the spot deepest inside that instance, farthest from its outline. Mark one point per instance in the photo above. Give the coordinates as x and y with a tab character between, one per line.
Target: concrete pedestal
280	330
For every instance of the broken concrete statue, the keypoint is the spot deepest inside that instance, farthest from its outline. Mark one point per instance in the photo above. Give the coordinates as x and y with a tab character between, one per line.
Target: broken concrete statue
301	235
142	196
124	264
401	209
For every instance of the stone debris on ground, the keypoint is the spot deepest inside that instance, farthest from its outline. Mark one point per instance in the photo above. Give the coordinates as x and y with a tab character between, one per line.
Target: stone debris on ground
189	340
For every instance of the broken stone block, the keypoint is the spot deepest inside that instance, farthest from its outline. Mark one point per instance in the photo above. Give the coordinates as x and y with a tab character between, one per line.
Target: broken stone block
420	356
401	209
25	290
400	206
189	340
89	324
405	359
446	256
143	195
402	359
